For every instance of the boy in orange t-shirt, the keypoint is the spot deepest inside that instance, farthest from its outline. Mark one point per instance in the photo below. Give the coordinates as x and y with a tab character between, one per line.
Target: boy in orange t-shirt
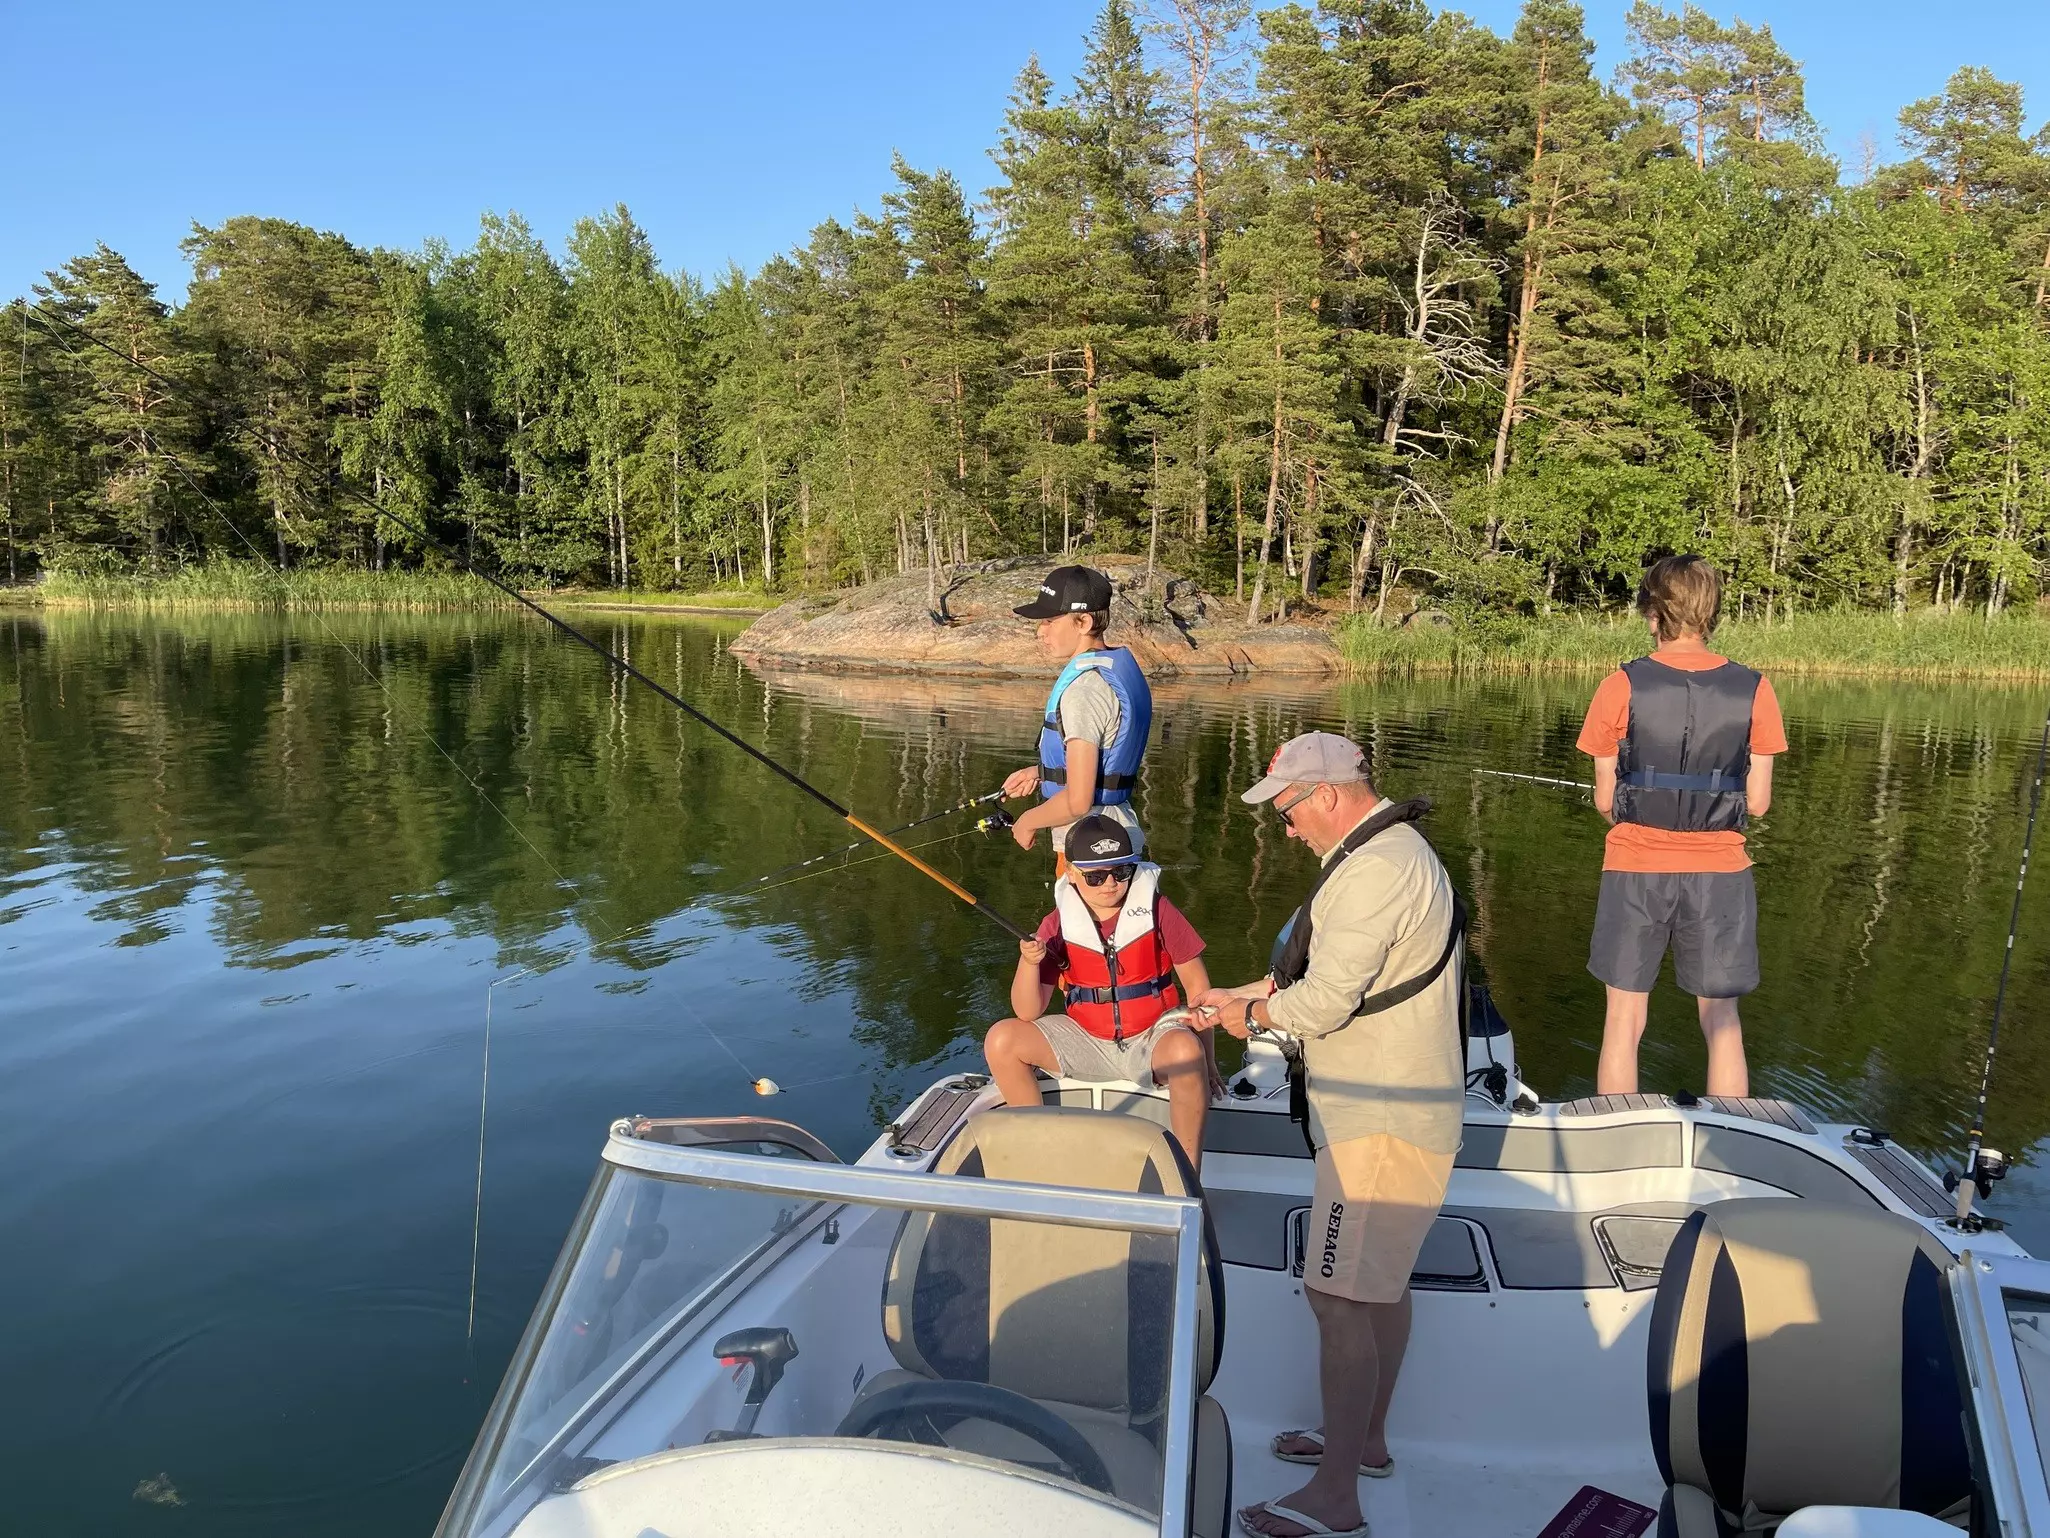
1683	743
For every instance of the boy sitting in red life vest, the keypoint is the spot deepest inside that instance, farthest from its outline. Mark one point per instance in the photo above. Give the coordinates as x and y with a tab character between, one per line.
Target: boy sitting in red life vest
1124	956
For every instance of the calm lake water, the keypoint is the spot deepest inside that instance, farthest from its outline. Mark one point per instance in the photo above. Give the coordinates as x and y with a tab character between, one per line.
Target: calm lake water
258	878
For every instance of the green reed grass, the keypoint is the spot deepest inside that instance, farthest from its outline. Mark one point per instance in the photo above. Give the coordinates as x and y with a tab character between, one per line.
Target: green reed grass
246	585
748	600
1926	645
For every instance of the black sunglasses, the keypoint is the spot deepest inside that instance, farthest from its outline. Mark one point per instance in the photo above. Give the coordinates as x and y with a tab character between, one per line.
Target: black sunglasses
1283	811
1107	873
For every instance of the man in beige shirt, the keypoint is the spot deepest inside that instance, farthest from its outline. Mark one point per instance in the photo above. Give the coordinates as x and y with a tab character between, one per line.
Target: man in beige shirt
1367	981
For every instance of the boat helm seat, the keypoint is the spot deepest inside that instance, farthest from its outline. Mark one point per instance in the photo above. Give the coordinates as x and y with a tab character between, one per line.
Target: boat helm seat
1077	1319
1801	1355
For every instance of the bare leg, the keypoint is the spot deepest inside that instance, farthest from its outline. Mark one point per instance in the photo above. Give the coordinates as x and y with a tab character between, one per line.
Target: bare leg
1013	1048
1622	1029
1349	1372
1391	1342
1727	1071
1180	1063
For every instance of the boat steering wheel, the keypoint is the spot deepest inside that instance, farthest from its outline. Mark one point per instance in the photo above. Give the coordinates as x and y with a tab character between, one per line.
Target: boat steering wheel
922	1411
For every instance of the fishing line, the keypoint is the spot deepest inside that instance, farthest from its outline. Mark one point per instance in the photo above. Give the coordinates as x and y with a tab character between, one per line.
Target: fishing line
1983	1166
1535	779
611	657
869	834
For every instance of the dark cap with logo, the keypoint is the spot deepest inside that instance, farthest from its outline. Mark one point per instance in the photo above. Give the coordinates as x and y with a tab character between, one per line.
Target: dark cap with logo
1096	841
1069	590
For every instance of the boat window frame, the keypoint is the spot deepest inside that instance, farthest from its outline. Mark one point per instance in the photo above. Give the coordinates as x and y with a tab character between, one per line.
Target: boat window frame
2009	1453
1176	1217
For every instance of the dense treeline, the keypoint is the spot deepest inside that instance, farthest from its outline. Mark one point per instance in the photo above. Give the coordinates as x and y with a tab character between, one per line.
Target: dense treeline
1337	304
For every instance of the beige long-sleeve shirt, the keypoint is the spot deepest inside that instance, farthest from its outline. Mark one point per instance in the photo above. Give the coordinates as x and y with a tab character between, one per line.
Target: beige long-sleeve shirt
1380	920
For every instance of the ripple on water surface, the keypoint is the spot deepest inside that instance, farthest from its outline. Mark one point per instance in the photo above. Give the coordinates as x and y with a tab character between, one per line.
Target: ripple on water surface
332	1396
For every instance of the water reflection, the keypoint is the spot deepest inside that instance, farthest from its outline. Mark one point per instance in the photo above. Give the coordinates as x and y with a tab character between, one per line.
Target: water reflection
256	877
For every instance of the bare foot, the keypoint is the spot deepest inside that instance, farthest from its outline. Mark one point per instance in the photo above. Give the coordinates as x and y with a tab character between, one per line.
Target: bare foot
1297	1444
1272	1524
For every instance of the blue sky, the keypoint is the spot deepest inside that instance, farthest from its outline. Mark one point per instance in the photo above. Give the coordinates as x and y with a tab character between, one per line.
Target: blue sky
730	130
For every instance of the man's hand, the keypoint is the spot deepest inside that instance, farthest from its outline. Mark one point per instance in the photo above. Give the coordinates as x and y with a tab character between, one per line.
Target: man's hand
1024	783
1033	950
1022	835
1227	1008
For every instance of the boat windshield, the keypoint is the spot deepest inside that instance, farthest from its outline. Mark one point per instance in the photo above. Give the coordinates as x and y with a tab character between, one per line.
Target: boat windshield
2028	1318
720	1316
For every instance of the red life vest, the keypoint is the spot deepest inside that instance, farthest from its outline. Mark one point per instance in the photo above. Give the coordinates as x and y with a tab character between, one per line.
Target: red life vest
1118	988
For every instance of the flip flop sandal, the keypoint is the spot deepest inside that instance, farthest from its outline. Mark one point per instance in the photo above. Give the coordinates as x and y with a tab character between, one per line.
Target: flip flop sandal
1317	1529
1369	1470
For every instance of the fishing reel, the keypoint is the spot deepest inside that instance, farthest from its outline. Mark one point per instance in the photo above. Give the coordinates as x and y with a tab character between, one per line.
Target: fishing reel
1988	1167
996	820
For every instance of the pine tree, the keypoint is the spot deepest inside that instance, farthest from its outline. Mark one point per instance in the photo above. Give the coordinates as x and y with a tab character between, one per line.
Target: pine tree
139	434
1566	158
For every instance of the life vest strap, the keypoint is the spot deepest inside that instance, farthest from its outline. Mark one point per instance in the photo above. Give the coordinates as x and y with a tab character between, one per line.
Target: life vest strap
1719	782
1059	776
1123	994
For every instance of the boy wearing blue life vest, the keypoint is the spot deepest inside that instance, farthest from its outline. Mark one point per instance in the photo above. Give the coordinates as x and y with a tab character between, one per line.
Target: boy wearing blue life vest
1124	957
1097	718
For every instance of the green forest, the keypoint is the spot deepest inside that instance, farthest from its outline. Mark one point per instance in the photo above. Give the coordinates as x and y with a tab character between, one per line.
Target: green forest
1338	306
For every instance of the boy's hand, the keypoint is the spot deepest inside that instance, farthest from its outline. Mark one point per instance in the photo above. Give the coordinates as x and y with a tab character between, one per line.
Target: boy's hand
1024	783
1022	835
1033	950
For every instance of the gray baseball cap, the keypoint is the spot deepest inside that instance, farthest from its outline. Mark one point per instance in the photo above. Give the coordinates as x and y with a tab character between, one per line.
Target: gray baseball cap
1315	758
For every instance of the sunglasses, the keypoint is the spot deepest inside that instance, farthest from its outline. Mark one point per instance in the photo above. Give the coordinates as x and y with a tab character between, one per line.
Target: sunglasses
1109	873
1282	809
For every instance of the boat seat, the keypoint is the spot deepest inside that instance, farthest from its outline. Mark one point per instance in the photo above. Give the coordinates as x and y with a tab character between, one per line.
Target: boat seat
1075	1318
1801	1355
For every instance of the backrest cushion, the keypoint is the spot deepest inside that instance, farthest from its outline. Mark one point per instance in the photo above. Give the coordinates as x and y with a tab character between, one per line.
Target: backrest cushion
1051	1311
1800	1355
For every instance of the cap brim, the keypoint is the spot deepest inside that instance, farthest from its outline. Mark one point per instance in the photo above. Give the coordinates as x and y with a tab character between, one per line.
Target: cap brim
1039	608
1111	864
1265	790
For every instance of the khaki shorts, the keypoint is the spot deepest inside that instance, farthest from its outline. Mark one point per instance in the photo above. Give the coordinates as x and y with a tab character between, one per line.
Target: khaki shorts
1375	1200
1098	1060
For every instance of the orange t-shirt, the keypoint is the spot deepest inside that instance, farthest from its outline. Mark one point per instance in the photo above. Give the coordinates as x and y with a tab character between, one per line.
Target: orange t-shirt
1632	846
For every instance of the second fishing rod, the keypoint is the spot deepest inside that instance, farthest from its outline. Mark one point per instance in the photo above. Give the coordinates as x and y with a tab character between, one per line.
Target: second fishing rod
51	318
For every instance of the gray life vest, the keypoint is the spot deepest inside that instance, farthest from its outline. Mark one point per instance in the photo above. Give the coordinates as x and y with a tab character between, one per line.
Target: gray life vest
1684	759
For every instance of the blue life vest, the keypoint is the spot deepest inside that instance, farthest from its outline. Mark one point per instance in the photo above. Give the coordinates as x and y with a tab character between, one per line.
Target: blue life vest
1118	769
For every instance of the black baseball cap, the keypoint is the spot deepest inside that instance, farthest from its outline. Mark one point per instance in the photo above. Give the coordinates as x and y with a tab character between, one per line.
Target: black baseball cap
1069	590
1097	841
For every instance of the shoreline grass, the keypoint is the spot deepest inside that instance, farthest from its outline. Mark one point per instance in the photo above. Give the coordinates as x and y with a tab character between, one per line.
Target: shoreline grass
2014	648
243	585
739	600
246	586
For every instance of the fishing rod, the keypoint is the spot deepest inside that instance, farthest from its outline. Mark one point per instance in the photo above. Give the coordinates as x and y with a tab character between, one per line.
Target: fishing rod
1535	779
626	668
1985	1165
999	819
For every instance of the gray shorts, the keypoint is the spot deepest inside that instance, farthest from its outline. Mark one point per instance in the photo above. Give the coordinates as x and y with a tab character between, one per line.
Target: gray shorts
1709	918
1095	1060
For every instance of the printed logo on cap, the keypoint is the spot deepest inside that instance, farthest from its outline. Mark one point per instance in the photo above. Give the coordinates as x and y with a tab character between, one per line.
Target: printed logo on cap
1105	846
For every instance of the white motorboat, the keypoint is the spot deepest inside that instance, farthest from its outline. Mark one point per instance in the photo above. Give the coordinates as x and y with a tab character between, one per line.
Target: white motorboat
1024	1322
